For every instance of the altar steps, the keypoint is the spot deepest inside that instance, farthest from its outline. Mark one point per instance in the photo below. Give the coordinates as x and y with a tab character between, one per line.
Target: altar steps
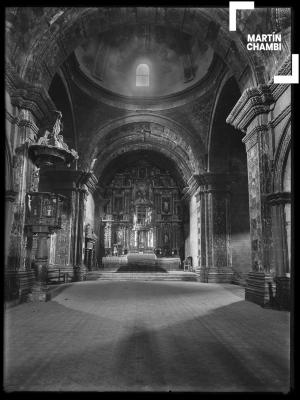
141	268
143	276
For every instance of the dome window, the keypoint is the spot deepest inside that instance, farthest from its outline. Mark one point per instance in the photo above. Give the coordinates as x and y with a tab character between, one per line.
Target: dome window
142	75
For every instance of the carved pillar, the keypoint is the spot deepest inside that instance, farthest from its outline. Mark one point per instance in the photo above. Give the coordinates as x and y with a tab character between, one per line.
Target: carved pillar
39	289
254	114
10	197
74	185
107	236
214	228
279	203
79	268
191	233
27	108
25	178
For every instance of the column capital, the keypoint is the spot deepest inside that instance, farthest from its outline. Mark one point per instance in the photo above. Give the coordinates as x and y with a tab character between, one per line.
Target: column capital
211	181
258	99
254	101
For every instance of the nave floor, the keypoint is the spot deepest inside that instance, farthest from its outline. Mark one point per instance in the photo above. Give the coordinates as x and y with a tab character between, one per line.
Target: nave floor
146	336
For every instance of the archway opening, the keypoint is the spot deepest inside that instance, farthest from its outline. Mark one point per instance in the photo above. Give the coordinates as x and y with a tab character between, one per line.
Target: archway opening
227	155
139	209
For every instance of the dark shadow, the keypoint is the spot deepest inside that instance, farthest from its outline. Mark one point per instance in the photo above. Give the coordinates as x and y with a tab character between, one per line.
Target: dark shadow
240	347
140	268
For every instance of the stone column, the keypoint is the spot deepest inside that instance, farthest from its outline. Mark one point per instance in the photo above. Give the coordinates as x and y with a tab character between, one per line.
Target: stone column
25	178
79	267
257	114
74	184
278	202
27	109
10	197
214	228
191	228
39	289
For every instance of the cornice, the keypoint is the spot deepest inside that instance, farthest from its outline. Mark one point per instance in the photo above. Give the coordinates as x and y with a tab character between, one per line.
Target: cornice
285	69
258	100
34	98
278	198
254	101
252	137
284	113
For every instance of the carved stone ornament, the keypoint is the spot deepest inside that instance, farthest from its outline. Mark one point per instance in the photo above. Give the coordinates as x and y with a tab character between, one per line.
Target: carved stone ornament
50	149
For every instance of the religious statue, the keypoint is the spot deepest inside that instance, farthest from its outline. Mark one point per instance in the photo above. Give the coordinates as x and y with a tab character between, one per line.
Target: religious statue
115	251
54	138
134	219
88	230
43	140
149	216
166	206
166	238
119	236
47	209
29	200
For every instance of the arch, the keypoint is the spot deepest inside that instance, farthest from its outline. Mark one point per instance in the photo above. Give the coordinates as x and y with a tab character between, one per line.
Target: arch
58	39
281	156
219	91
142	75
121	147
227	154
286	176
179	136
220	133
153	156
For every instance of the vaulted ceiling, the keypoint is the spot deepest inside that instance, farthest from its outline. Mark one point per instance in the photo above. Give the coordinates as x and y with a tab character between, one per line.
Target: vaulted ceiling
86	59
176	60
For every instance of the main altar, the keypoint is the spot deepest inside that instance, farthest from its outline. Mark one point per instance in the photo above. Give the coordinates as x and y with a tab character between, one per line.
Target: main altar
143	215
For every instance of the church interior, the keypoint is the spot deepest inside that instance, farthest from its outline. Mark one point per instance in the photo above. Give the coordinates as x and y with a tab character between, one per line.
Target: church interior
146	146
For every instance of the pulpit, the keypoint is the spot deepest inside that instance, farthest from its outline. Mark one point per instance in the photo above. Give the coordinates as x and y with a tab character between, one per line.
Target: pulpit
43	217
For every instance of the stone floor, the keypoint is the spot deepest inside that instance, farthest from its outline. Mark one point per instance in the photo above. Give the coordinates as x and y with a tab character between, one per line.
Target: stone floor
146	336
